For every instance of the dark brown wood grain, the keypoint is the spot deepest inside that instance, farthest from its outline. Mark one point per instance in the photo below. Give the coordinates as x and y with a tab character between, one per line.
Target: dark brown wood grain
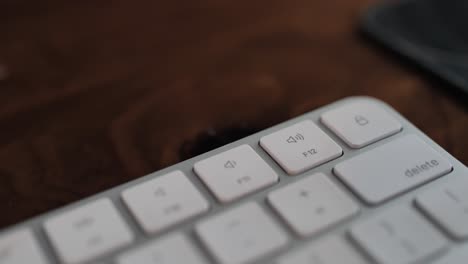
97	93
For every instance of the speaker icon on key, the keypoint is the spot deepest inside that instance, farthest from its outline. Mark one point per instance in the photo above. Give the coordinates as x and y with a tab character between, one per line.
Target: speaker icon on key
295	139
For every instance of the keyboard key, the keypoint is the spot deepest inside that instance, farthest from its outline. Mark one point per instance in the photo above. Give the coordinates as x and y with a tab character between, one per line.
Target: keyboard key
455	256
398	236
235	173
241	235
312	204
331	250
87	232
164	201
448	206
20	247
393	168
172	249
300	147
360	123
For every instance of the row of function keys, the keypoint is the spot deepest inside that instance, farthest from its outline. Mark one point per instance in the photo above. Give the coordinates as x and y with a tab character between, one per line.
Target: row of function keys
358	124
296	148
94	229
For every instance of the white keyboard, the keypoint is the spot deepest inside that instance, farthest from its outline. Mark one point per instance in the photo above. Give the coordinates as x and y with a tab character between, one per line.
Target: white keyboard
352	182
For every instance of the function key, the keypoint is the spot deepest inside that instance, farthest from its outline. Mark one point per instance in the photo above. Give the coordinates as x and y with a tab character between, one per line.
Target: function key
20	247
360	123
164	201
235	173
87	232
300	147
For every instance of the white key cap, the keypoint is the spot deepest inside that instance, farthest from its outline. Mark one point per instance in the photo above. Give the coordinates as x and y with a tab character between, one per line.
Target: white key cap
395	167
164	201
172	249
331	250
235	173
448	206
20	247
87	232
300	147
457	255
360	123
241	235
312	204
398	236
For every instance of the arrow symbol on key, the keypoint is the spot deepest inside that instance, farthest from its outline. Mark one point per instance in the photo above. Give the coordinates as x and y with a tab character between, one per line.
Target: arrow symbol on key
230	164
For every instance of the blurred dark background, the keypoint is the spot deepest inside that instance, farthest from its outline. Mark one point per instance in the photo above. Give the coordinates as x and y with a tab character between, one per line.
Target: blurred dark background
97	93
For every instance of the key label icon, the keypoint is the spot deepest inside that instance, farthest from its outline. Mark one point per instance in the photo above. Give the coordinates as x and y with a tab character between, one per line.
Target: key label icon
361	120
230	164
295	139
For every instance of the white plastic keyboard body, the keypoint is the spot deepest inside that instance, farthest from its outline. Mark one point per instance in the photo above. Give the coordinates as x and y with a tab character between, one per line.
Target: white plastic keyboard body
351	182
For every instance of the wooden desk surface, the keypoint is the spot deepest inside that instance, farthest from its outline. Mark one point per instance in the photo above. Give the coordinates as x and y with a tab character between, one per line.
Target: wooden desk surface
97	93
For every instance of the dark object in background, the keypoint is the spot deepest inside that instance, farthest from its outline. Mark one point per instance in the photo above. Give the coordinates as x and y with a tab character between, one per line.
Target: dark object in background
433	33
215	138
